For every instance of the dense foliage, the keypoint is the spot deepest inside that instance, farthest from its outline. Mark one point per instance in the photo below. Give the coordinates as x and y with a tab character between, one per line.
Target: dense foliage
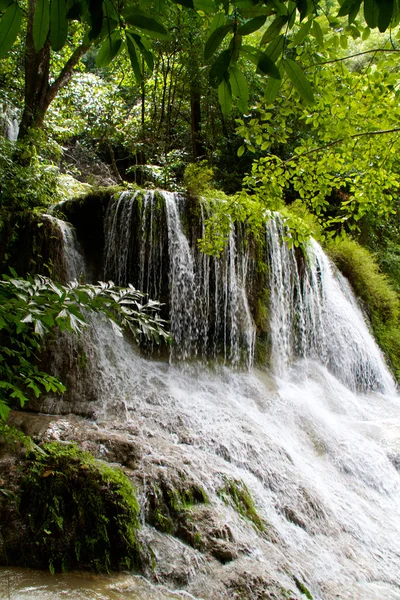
37	307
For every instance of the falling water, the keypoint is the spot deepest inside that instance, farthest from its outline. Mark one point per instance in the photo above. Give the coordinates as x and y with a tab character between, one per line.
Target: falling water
149	243
316	441
314	315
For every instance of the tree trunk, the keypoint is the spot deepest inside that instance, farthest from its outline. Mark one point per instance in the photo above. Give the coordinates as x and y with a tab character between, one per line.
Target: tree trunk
39	94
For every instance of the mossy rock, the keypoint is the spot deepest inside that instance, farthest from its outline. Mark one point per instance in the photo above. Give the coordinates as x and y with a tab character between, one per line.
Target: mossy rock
235	493
169	502
78	511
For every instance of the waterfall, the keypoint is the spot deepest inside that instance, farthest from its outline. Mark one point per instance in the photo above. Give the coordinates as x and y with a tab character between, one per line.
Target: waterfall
314	315
148	243
315	438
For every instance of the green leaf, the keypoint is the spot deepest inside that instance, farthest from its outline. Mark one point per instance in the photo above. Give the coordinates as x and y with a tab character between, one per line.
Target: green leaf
5	4
272	88
371	12
274	29
109	50
302	33
262	60
219	68
299	80
41	23
134	58
186	3
150	26
4	410
275	48
317	33
241	150
207	6
58	24
225	96
305	7
239	87
386	8
146	53
9	28
215	39
96	17
251	26
350	8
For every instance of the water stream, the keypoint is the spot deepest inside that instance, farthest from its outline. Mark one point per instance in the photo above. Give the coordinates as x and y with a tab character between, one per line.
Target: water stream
315	438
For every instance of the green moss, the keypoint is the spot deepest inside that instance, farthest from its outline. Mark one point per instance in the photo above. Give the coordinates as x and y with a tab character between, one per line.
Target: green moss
79	511
302	588
235	493
375	291
169	502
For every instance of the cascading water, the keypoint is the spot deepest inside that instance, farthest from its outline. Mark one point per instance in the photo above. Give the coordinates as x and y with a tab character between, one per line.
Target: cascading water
314	315
317	442
146	245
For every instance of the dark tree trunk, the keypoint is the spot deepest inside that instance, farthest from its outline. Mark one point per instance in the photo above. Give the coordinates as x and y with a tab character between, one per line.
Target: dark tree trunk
195	110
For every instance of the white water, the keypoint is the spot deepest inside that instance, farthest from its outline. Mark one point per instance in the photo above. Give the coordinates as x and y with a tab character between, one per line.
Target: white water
318	457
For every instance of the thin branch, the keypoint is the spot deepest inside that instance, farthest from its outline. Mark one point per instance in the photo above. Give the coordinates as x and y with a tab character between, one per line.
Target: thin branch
339	141
327	62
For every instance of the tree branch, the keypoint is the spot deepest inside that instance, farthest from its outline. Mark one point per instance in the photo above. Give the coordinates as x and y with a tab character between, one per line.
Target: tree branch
66	72
328	62
340	140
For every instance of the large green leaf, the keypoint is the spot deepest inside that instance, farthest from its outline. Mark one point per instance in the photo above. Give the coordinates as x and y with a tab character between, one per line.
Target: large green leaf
275	48
41	23
219	68
272	88
225	96
386	8
9	28
299	80
274	29
96	18
144	49
251	26
263	62
58	24
239	87
134	57
142	21
350	8
207	6
317	33
5	4
305	7
186	3
302	33
109	49
371	12
215	40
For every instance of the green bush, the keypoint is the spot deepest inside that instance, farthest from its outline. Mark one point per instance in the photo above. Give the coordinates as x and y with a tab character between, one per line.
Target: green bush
198	178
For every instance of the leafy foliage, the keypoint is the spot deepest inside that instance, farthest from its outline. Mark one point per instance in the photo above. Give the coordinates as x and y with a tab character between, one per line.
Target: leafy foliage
33	308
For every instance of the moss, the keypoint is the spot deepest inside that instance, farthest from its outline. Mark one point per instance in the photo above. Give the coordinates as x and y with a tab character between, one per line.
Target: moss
235	493
169	503
302	588
79	512
375	291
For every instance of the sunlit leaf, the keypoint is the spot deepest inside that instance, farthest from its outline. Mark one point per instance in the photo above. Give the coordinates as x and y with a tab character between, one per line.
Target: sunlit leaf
9	28
109	49
134	58
317	33
207	6
299	80
302	33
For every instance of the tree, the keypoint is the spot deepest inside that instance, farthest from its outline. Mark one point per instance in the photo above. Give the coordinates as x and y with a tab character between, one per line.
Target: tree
123	26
